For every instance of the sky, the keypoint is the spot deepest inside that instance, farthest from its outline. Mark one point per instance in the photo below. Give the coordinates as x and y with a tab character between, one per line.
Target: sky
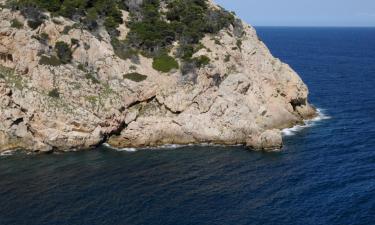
342	13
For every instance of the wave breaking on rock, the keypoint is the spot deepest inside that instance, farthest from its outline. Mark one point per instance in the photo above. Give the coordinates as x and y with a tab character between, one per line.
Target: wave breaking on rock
307	123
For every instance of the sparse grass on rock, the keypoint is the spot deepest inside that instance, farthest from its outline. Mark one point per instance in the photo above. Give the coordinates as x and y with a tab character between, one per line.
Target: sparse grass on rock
136	77
11	77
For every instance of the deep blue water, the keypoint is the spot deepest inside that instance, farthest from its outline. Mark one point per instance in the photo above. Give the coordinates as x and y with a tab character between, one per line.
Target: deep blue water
325	175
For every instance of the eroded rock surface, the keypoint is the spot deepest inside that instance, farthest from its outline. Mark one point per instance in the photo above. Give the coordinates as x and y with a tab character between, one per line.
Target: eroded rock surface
244	96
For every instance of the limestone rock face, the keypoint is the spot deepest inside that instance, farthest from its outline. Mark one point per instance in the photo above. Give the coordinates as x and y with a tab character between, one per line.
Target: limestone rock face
269	140
244	96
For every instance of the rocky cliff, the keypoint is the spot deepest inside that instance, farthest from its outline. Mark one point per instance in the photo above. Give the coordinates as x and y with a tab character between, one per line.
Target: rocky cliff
240	93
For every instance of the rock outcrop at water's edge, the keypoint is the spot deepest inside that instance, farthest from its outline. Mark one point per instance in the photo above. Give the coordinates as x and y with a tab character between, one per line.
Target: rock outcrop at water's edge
243	96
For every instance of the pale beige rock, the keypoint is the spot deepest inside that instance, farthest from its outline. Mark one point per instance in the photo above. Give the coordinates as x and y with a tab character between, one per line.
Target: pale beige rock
245	96
269	140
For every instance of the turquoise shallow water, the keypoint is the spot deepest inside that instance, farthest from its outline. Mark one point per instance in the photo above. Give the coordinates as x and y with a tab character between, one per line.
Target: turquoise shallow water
324	175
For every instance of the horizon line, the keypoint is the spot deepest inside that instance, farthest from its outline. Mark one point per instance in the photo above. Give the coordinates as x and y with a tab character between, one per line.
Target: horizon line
312	26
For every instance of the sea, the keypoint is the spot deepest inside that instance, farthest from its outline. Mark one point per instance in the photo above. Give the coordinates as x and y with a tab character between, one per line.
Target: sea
325	174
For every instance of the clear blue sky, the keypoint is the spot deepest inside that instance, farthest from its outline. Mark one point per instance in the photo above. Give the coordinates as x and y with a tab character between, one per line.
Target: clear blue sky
303	12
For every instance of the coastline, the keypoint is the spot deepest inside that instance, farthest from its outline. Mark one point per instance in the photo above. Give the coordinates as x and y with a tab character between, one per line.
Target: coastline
307	123
286	132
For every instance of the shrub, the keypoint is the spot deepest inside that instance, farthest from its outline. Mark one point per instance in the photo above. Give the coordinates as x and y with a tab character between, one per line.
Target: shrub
16	24
217	42
50	61
67	29
29	10
186	51
122	50
54	93
188	22
91	77
74	42
33	24
86	11
42	38
239	43
217	20
132	67
136	77
227	58
63	51
201	61
164	63
152	31
81	67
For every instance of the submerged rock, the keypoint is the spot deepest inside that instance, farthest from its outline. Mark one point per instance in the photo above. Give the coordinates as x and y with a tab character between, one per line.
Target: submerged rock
242	96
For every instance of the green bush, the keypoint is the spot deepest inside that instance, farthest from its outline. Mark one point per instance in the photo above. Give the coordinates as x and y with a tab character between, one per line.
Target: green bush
54	93
81	67
136	77
88	11
164	63
186	51
188	22
201	61
67	29
16	24
50	61
227	58
152	31
75	42
148	31
33	24
91	77
64	52
42	38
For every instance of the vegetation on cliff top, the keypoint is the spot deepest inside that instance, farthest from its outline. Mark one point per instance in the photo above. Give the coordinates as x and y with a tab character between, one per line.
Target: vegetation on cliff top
154	24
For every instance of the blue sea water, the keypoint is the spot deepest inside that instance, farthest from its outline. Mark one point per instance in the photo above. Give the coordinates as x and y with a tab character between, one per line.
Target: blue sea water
324	175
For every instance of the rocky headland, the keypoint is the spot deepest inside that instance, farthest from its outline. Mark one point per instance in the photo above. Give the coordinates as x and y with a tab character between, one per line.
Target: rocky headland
74	78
